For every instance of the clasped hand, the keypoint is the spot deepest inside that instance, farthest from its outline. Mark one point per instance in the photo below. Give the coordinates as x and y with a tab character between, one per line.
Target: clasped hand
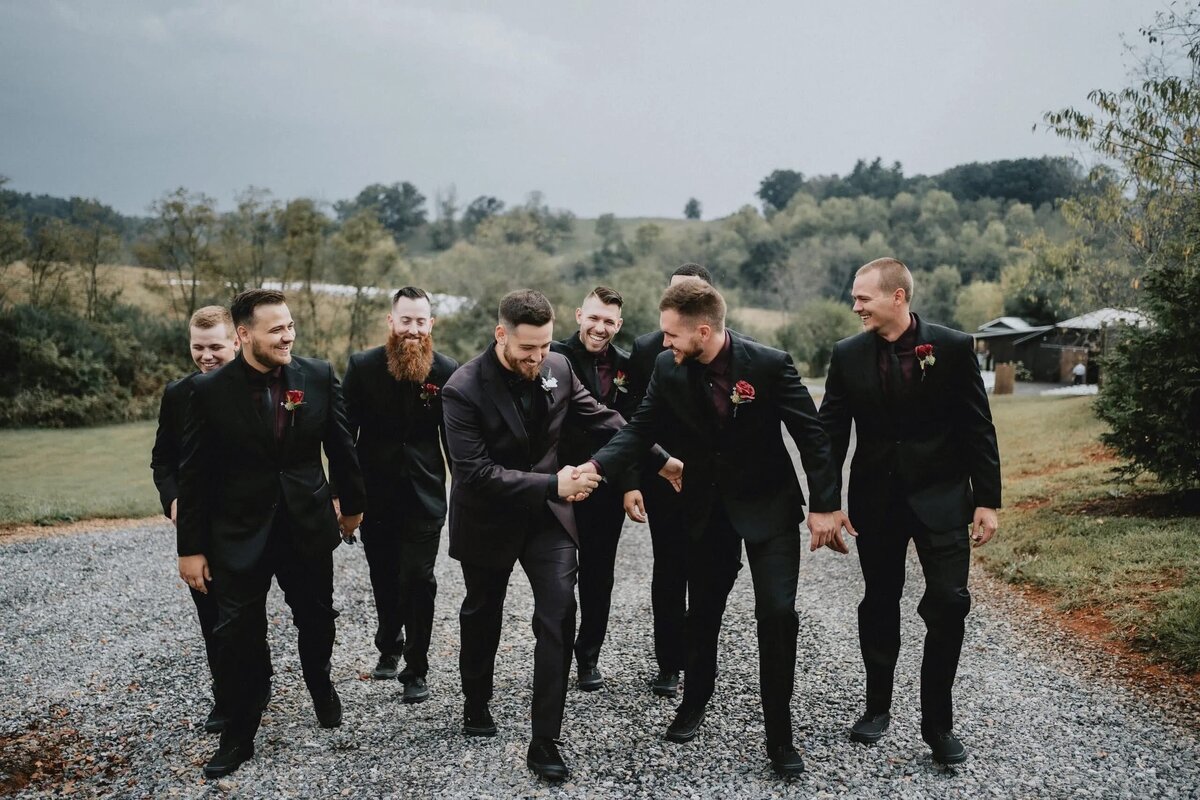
825	530
576	483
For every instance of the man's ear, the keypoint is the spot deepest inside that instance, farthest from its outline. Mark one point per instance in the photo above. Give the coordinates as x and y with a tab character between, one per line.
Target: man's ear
501	334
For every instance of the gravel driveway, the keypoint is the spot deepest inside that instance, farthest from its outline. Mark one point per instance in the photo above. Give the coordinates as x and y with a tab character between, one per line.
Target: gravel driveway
102	677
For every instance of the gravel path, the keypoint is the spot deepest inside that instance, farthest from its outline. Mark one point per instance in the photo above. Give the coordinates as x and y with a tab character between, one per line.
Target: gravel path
102	677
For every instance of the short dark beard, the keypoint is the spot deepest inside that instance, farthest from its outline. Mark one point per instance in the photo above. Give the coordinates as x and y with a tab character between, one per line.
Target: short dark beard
409	359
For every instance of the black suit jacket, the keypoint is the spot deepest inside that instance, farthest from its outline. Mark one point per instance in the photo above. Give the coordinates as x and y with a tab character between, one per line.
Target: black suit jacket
398	436
234	477
168	441
576	444
502	486
744	463
937	445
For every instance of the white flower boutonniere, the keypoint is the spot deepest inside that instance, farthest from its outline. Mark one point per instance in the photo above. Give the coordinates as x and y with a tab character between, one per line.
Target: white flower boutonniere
549	382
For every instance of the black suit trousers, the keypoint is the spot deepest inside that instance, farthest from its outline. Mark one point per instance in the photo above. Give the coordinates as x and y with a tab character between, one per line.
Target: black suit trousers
945	560
244	666
668	584
712	565
548	557
598	520
401	554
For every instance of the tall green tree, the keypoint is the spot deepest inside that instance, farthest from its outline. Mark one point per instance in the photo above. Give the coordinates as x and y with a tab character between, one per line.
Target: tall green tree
364	254
777	189
398	207
94	244
182	242
691	209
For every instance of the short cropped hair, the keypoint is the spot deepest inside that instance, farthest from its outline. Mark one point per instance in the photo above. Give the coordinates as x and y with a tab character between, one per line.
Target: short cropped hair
893	275
525	307
243	306
696	301
412	293
212	316
691	270
610	297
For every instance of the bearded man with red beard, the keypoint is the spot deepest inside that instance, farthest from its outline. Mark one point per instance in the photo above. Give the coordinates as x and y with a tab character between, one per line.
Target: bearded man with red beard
394	406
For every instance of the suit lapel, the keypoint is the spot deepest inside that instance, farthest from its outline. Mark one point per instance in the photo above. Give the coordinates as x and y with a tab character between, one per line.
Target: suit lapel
495	387
293	379
868	363
585	367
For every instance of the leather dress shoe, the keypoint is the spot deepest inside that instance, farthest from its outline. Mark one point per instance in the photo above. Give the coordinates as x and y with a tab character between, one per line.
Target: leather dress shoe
477	720
590	678
216	721
870	727
229	756
415	690
686	724
329	709
785	760
665	683
946	747
544	759
387	668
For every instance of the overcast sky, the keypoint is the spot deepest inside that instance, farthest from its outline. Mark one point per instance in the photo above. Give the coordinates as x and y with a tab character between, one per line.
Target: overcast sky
628	107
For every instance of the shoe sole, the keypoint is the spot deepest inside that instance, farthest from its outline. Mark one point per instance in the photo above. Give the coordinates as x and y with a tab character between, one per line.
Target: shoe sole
415	698
213	774
473	731
554	775
787	773
866	738
681	738
664	692
384	676
951	760
591	686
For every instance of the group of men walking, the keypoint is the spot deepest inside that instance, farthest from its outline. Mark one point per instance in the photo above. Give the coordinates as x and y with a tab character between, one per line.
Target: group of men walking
550	444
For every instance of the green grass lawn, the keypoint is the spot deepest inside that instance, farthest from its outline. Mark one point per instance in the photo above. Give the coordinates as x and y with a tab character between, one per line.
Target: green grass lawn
1067	529
49	476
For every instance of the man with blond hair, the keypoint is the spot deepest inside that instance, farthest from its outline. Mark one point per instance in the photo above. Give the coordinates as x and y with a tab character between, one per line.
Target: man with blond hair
212	344
926	467
721	401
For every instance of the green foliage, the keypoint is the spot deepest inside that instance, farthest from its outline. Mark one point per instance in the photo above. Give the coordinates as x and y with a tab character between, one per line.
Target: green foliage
1026	180
479	209
61	370
777	189
818	326
399	208
935	294
978	303
691	209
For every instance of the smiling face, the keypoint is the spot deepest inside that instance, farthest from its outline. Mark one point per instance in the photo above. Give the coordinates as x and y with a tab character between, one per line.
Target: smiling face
411	318
598	323
683	337
880	312
523	349
269	336
212	347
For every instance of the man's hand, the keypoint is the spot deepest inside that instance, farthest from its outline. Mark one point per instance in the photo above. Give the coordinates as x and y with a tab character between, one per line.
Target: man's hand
174	509
349	524
825	530
337	507
635	506
576	483
194	572
984	527
673	472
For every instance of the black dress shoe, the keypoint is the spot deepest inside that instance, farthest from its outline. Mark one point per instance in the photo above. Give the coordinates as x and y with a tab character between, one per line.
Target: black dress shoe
785	760
329	709
946	747
665	684
477	720
870	727
686	724
216	722
387	668
229	756
590	678
415	690
545	760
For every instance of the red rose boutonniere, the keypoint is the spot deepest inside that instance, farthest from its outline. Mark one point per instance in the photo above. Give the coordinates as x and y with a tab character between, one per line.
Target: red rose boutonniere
621	382
429	391
294	399
742	392
924	354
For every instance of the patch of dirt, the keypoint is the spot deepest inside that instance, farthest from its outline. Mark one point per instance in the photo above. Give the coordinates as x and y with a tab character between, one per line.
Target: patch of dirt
1154	506
25	533
1032	503
51	755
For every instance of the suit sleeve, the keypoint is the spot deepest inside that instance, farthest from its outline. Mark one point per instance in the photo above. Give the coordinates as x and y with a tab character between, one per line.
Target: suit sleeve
474	466
338	442
164	457
799	415
630	445
976	431
836	417
193	523
352	396
442	422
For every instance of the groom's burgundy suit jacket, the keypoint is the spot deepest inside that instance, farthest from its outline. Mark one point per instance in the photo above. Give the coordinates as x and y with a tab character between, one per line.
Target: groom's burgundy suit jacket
935	445
234	477
503	479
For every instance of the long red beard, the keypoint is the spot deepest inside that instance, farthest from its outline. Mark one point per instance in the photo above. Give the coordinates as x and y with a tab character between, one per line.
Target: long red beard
409	359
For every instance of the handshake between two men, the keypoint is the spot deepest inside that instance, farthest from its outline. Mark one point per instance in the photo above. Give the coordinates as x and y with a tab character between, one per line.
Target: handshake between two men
576	483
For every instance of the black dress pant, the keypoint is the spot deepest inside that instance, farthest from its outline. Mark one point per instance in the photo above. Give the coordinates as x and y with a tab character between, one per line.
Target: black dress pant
669	583
401	554
945	559
549	560
598	520
243	661
206	612
712	565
